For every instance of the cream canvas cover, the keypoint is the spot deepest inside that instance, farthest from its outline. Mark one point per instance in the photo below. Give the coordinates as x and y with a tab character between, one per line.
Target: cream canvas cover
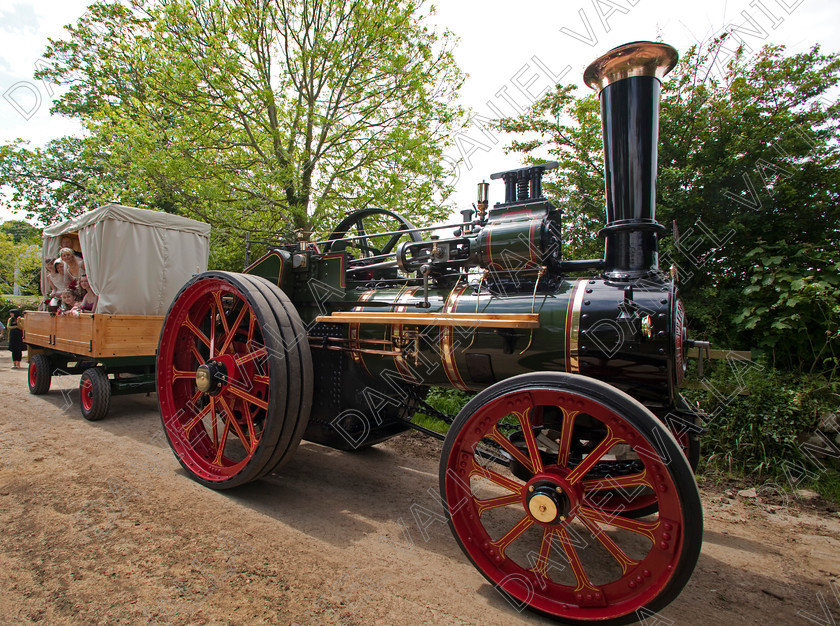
136	260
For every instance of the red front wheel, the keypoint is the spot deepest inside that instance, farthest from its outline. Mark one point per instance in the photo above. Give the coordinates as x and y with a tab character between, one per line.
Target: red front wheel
529	474
234	378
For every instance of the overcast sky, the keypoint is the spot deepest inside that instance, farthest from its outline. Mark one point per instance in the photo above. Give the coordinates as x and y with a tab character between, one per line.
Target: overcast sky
512	51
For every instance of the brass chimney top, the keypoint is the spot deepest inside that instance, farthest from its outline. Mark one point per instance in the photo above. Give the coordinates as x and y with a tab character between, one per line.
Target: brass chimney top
639	58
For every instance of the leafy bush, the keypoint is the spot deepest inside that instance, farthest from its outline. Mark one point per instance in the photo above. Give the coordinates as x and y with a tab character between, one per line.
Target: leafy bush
792	305
761	431
23	303
445	400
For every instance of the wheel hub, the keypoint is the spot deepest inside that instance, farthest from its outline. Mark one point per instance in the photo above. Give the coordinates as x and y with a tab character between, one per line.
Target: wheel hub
548	503
210	377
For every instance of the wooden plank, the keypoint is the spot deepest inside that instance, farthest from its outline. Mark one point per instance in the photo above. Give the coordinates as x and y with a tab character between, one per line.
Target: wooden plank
127	335
74	334
38	328
468	320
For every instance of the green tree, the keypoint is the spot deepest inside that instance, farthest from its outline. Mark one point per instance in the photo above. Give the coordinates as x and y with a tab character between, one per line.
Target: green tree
749	181
64	178
21	232
256	115
20	264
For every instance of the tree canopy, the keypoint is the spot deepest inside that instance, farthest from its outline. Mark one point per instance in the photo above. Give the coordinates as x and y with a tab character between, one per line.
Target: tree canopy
748	183
20	258
248	114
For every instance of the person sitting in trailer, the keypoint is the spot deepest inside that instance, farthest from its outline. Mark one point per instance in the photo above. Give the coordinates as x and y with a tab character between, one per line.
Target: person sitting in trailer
55	275
74	267
89	299
71	303
68	242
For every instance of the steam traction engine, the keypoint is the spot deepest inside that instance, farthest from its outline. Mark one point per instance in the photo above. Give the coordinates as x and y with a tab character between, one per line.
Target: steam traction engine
568	478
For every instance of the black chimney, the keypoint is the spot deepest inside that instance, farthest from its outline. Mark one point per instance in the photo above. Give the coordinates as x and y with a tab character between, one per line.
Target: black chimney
628	79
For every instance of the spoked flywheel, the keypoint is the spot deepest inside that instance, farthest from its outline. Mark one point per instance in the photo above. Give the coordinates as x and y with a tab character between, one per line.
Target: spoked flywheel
234	378
371	233
530	473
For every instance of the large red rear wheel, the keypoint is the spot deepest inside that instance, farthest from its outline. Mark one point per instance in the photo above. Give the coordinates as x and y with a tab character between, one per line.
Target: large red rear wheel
549	539
234	378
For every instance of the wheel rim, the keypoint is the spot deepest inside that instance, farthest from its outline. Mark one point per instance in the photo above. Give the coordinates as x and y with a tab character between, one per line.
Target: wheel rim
87	394
212	330
556	541
33	377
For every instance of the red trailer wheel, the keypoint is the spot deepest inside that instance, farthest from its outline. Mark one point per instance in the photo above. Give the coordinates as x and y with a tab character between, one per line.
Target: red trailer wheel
40	374
95	394
234	378
546	541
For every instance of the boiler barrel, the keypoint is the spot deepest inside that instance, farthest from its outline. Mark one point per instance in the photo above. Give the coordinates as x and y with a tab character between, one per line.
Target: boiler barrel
585	326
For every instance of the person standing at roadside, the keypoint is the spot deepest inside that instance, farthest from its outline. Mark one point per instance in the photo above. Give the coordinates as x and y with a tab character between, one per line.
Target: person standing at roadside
15	327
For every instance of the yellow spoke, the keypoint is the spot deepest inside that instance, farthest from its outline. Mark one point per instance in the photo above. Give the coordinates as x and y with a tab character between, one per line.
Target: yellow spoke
251	356
639	479
248	397
593	457
234	327
646	529
196	331
573	558
565	442
212	331
178	374
220	450
247	443
493	503
217	296
502	481
618	554
195	420
513	534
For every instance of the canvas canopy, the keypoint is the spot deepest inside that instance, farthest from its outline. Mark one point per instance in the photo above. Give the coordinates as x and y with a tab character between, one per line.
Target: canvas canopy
136	260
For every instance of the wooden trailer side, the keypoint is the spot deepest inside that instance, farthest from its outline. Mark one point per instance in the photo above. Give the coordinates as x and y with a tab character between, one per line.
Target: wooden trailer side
96	336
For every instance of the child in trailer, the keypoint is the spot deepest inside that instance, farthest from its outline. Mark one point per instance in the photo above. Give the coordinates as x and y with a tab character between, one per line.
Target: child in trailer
71	303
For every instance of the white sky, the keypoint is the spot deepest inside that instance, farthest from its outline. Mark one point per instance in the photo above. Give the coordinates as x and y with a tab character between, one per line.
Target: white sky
508	48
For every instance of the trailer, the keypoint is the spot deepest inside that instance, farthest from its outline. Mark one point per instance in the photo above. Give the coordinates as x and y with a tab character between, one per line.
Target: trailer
135	261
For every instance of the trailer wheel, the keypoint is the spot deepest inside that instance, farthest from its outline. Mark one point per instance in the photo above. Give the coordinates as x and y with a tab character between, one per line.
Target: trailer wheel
546	543
234	378
40	377
95	392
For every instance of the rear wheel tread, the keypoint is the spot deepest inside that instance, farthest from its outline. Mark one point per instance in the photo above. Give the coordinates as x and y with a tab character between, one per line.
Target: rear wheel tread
95	400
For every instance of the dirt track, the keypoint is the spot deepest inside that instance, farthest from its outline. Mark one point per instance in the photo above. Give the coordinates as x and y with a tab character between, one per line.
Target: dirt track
101	525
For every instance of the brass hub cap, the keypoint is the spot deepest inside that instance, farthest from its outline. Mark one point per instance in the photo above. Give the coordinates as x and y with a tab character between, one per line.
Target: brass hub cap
210	377
547	502
543	508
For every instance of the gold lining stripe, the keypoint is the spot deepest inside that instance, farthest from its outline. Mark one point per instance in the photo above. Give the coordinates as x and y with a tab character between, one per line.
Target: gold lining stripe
573	326
353	332
444	318
447	335
396	330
